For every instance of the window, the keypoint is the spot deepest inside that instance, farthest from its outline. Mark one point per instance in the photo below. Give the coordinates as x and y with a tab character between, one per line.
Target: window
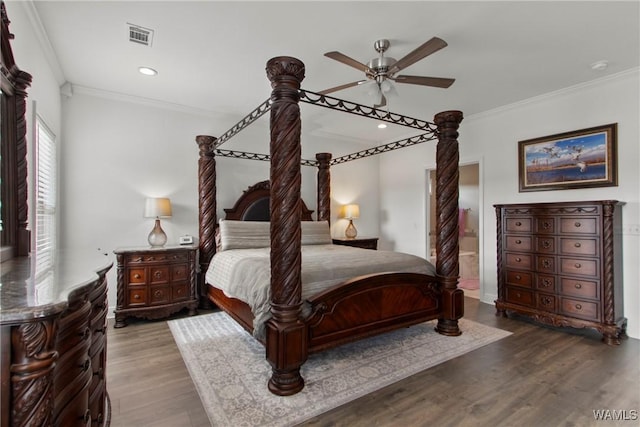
45	195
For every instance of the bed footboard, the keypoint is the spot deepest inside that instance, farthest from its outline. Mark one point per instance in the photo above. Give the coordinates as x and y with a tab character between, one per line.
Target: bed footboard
370	305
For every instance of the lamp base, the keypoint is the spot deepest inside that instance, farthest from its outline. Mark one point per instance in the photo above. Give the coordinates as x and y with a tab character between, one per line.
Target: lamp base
157	238
350	232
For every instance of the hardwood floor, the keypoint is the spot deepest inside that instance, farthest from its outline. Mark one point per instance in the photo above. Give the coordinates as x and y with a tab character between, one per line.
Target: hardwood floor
538	376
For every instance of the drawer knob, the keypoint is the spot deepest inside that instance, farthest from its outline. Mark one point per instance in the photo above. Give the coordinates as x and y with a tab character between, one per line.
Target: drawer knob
577	224
136	296
577	265
577	244
158	274
136	276
518	259
518	277
579	306
518	242
578	286
546	283
158	294
518	223
546	225
518	294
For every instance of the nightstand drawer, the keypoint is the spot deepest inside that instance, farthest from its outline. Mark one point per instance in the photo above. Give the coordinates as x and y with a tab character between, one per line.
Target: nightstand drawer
137	296
160	295
137	275
180	292
520	296
179	272
158	275
519	278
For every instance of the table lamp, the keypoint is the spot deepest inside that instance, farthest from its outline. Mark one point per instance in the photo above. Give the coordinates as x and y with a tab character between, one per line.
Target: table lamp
351	212
156	208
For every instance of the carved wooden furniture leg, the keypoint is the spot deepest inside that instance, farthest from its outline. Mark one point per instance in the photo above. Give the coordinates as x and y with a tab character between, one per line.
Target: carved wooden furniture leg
447	221
286	334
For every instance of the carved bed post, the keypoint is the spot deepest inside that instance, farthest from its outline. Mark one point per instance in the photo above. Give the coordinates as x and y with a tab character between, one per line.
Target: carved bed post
447	221
207	210
324	187
286	334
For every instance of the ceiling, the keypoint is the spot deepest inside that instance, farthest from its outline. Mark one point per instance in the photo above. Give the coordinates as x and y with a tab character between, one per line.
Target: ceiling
211	55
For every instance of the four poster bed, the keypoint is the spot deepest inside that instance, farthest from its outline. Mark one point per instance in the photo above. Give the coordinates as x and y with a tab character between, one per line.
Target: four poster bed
348	307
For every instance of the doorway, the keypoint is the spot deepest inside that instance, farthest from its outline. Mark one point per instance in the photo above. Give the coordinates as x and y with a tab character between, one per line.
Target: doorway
468	223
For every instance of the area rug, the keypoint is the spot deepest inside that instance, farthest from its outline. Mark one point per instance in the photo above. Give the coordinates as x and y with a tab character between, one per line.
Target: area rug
230	372
470	284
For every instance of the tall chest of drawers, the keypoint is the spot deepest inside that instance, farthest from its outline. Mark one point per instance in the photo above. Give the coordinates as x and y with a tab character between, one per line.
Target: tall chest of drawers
561	264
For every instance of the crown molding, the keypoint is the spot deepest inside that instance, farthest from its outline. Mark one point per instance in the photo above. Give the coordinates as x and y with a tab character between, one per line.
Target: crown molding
630	73
43	38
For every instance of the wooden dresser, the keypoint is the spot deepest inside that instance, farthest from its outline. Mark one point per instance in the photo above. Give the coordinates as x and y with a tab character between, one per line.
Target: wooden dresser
561	264
155	282
53	343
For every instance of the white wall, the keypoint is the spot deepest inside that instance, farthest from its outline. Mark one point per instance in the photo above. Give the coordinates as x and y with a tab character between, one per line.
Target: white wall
492	139
118	151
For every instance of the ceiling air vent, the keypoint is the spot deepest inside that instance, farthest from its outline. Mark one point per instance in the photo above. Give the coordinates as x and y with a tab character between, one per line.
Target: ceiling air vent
141	35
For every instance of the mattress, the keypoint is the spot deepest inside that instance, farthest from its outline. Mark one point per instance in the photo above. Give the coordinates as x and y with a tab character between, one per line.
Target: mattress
245	274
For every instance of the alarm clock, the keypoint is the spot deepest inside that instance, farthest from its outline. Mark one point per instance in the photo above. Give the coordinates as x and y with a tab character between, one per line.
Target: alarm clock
186	240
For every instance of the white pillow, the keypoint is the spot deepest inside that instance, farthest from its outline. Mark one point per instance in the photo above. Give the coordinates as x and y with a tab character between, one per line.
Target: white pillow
244	234
316	233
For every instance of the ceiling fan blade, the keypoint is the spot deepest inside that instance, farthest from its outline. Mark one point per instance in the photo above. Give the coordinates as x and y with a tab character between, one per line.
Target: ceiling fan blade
340	57
426	49
425	81
344	86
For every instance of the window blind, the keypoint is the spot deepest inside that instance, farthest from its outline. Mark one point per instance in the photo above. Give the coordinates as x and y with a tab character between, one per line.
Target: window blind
46	197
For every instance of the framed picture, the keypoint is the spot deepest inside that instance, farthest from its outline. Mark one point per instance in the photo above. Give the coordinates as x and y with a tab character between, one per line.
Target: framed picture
579	159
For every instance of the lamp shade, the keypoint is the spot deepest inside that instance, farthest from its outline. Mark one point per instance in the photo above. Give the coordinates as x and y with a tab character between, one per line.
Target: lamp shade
351	211
157	207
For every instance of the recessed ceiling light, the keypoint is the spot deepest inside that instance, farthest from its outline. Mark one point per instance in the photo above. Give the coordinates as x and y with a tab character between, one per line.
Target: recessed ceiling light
147	71
382	126
600	65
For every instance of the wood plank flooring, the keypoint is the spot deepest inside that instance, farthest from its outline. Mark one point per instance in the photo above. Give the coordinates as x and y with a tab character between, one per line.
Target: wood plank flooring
539	376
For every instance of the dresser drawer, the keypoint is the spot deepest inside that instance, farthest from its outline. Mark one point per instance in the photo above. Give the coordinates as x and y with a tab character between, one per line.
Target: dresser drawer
520	278
520	296
523	261
545	225
585	267
578	308
546	245
579	288
546	264
518	243
518	225
579	225
546	283
569	246
546	302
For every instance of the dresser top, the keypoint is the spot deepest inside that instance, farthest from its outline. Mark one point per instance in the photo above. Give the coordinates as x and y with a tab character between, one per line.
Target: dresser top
156	249
26	293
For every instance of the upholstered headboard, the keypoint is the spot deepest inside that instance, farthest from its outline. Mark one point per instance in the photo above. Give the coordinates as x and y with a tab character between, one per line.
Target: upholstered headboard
253	205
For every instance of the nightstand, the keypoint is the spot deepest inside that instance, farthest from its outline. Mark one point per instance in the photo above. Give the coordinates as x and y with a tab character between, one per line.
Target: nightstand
154	283
358	242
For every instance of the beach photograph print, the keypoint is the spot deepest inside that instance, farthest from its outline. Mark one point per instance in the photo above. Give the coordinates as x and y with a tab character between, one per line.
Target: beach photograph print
577	159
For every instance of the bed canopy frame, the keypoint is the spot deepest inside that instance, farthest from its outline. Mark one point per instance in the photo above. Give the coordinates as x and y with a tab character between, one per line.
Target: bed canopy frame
286	337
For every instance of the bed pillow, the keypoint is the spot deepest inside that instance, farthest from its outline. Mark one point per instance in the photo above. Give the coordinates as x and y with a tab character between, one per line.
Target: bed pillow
244	234
316	233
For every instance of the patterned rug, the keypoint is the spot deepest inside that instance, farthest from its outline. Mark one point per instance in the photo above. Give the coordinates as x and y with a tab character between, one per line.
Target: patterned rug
230	372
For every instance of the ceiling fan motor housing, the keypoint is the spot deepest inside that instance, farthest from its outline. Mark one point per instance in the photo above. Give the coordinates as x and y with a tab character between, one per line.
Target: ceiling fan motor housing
379	67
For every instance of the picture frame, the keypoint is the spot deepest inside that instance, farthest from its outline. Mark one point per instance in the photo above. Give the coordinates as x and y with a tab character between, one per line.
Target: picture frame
584	158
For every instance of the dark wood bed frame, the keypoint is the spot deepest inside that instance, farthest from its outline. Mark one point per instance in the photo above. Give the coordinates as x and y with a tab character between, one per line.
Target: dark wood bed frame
361	307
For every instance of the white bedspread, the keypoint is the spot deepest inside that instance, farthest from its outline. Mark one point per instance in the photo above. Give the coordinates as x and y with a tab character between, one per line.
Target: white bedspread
245	274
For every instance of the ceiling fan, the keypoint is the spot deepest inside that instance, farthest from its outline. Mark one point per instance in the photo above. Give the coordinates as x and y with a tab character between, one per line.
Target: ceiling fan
381	70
